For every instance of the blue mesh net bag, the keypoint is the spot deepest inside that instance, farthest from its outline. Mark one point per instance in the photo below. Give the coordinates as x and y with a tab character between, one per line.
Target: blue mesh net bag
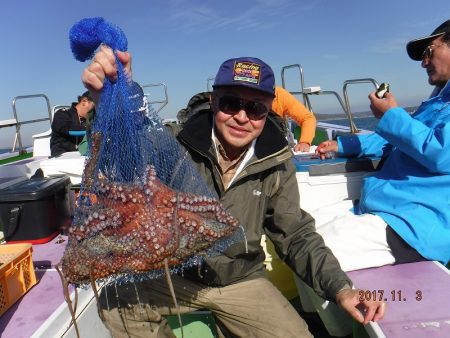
142	205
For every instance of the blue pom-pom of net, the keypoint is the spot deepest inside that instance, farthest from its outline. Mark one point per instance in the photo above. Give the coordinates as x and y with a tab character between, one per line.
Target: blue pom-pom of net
87	34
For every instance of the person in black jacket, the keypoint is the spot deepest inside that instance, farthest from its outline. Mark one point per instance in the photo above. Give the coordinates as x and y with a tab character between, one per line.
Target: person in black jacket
72	119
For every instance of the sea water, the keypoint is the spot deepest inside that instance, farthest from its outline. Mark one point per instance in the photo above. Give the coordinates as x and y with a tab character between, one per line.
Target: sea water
367	123
4	150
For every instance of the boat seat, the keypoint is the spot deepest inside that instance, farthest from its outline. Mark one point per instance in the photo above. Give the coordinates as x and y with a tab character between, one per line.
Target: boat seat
41	141
331	186
41	144
416	294
417	297
70	163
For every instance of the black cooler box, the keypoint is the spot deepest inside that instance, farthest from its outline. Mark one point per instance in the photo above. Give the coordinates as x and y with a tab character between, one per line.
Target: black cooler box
34	210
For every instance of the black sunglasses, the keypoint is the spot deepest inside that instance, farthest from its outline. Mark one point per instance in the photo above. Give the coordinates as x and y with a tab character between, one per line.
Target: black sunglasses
233	104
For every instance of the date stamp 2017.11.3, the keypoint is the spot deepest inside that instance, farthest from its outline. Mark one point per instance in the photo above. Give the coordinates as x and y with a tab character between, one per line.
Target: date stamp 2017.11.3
388	295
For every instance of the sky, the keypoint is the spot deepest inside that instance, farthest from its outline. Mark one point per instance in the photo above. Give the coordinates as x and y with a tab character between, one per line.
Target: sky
182	43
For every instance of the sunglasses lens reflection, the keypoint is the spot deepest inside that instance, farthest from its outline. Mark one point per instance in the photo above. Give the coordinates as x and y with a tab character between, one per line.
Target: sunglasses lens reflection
427	52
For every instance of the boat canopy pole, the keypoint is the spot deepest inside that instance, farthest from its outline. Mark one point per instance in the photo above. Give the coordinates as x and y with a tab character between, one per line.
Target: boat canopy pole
208	83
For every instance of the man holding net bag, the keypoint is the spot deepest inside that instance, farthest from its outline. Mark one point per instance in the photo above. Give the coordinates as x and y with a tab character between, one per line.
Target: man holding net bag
243	158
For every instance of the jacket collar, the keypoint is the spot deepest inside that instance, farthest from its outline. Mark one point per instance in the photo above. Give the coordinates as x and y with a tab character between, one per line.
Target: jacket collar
197	133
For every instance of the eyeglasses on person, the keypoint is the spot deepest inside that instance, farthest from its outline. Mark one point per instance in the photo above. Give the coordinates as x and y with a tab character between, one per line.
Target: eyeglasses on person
428	52
233	104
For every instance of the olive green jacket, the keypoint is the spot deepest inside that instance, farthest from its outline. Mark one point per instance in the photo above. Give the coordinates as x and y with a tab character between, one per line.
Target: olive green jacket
265	199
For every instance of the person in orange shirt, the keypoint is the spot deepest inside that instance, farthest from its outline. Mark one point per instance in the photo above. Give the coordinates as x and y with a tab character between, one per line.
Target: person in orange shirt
286	105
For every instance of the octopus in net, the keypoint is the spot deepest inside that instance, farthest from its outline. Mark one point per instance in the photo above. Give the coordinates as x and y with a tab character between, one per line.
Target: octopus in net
132	228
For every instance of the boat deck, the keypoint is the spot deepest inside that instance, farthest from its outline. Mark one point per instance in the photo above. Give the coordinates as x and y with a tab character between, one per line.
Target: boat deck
42	311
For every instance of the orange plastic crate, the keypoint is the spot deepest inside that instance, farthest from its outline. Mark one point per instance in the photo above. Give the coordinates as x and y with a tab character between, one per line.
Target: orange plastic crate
16	273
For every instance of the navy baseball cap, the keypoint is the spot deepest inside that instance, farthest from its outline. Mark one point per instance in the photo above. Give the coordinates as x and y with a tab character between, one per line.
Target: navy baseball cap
246	72
87	95
416	47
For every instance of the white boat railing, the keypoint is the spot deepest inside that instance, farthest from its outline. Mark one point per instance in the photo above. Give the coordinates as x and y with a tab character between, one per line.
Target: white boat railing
347	101
208	83
305	92
15	122
162	103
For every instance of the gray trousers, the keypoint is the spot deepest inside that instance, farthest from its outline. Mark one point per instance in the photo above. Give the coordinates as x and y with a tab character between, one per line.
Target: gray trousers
252	308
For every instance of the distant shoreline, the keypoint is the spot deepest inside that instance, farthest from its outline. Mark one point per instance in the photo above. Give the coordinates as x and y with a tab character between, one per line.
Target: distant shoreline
319	116
8	150
324	117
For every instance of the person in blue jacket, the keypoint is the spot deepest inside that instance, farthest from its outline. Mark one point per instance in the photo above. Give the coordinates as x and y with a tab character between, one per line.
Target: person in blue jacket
404	209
